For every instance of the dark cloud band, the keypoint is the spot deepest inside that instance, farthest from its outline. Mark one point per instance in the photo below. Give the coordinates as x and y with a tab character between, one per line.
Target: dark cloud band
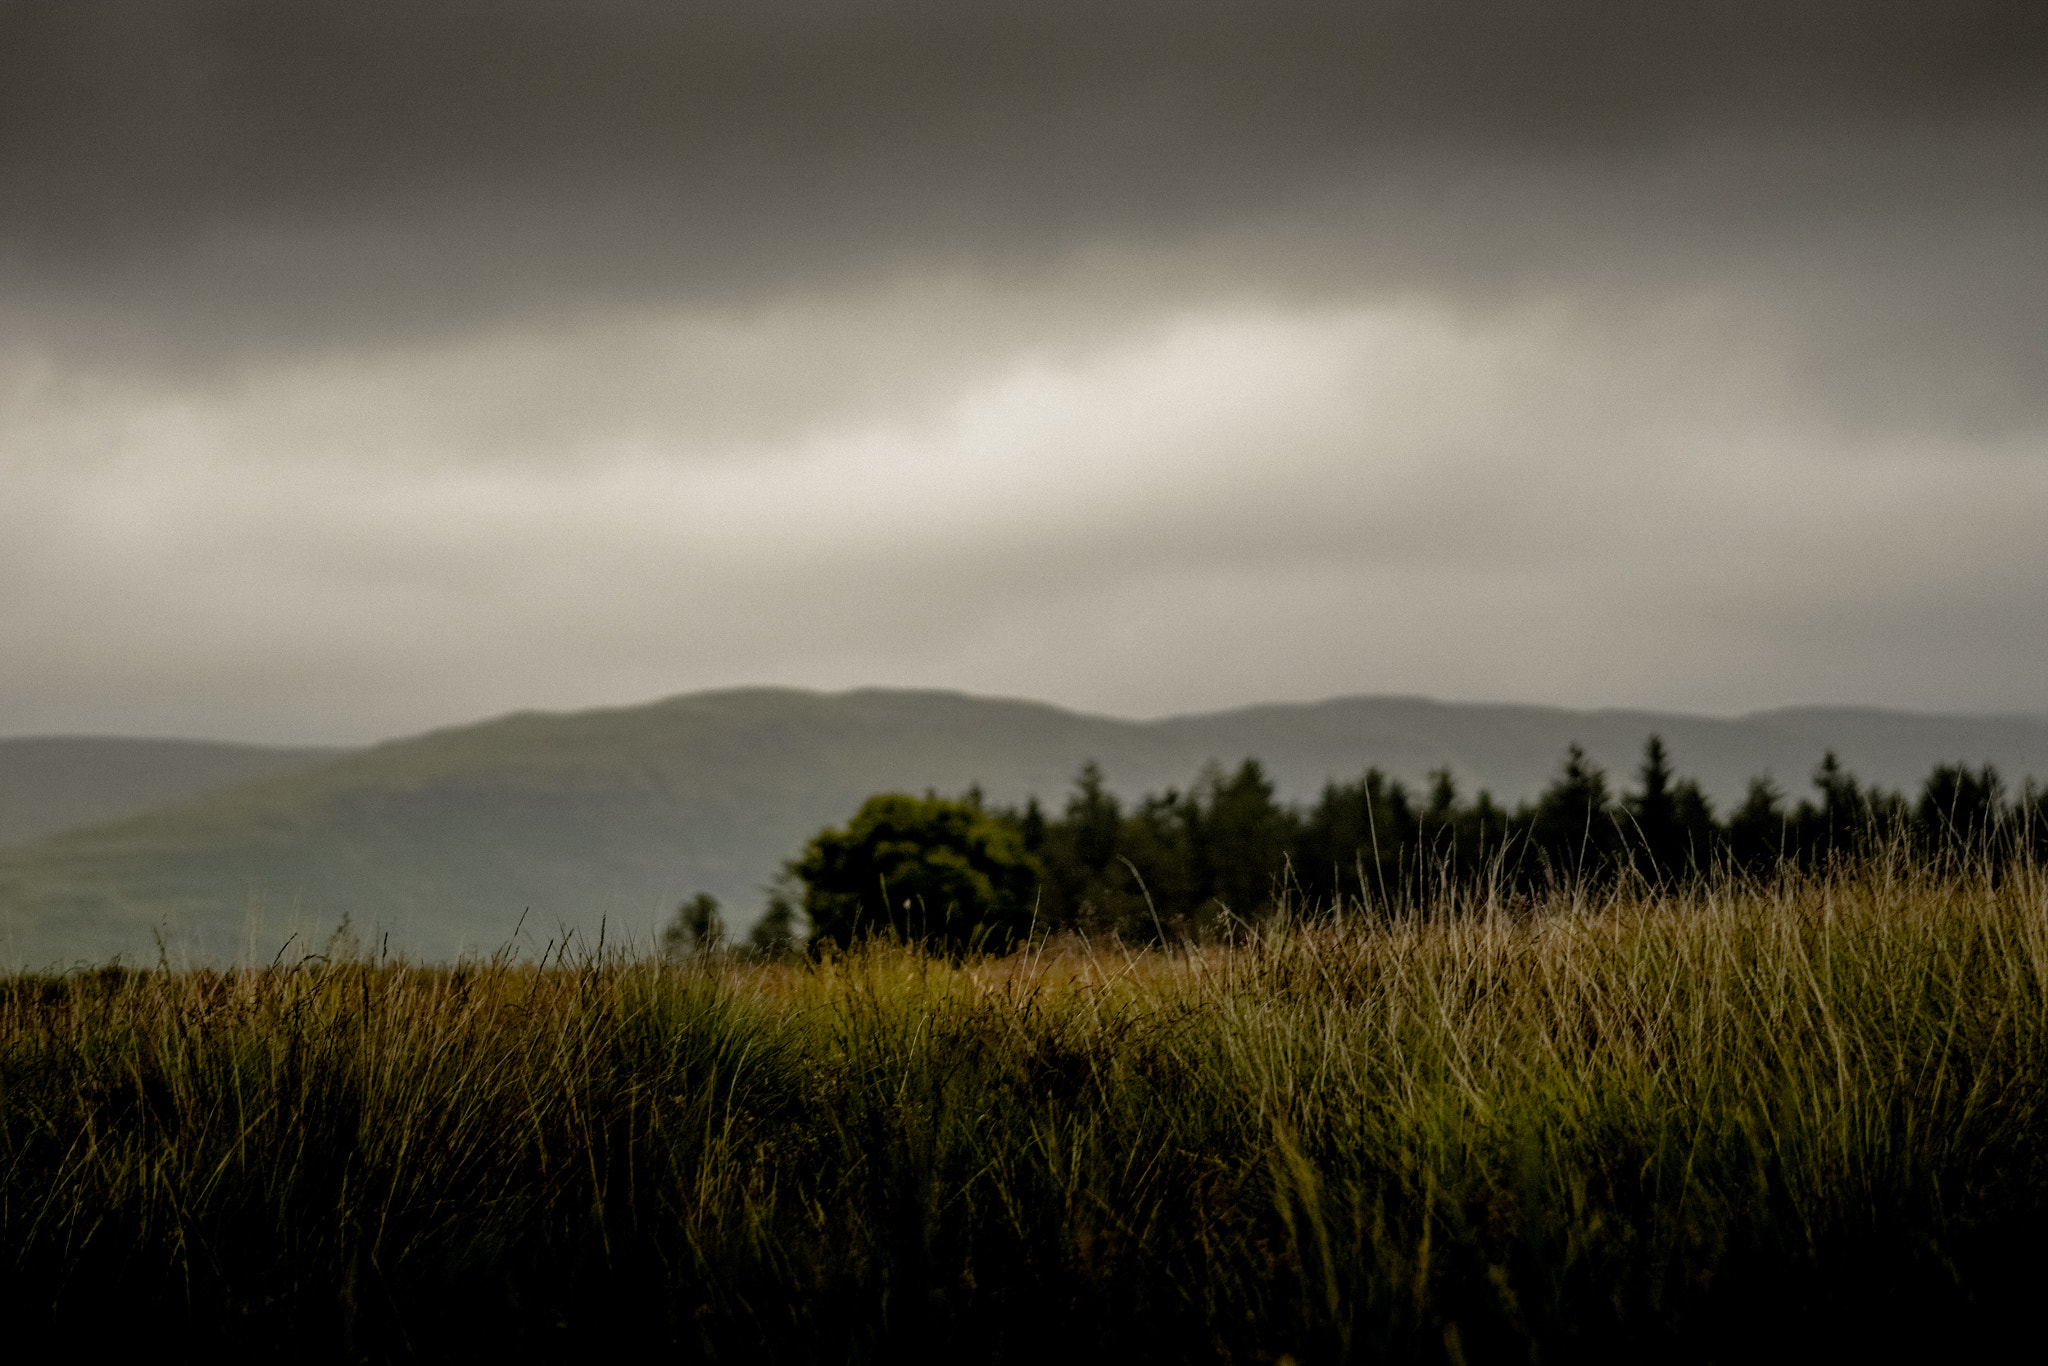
199	177
127	126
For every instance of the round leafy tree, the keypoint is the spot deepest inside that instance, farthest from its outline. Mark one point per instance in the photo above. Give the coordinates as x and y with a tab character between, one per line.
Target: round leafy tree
926	868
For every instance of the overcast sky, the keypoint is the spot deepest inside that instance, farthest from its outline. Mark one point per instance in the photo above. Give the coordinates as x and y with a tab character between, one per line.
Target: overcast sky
369	365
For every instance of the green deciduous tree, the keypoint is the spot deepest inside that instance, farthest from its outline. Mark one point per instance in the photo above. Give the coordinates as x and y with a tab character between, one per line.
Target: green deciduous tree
924	868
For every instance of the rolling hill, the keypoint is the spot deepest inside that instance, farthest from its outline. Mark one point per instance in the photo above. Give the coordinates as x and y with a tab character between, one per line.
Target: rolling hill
61	782
446	841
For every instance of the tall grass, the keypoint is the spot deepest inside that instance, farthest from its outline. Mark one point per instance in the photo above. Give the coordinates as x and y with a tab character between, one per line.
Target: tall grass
1734	1121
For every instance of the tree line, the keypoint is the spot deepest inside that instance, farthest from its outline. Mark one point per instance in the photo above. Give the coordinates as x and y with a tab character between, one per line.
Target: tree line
1185	862
1191	864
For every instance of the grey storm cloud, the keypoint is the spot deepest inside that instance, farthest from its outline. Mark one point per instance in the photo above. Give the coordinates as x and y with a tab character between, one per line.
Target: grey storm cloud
366	364
208	176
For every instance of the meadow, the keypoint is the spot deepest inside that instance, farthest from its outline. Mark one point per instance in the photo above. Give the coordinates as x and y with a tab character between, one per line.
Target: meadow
1741	1118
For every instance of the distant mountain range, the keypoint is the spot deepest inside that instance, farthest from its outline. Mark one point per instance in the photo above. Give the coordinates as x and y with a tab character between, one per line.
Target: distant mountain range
445	841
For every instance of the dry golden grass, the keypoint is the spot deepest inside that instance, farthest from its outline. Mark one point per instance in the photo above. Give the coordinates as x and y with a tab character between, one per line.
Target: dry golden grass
1573	1125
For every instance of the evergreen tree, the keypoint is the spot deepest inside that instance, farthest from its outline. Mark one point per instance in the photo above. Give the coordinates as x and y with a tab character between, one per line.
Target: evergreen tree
1078	854
1849	820
1095	817
1652	829
1760	833
1700	836
1835	823
1959	808
1246	837
1573	827
1356	841
1032	826
1668	830
1165	877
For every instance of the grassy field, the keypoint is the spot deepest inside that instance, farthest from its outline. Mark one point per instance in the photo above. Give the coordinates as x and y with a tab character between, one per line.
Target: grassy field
1739	1122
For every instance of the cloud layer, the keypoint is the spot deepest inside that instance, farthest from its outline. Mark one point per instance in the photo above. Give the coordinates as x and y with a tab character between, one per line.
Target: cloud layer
367	366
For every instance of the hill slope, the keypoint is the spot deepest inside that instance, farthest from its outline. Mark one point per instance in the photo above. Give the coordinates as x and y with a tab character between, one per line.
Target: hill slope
446	840
60	782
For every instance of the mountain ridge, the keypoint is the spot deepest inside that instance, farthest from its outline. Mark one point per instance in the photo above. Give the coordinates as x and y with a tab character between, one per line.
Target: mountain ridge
611	815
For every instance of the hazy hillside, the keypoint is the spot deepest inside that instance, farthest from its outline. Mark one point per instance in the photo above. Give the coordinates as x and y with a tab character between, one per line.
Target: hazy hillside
445	840
61	782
